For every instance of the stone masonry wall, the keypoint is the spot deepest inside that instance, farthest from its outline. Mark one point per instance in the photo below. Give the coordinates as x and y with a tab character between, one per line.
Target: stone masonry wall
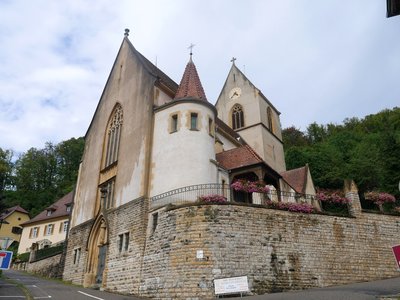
49	267
123	267
77	239
277	250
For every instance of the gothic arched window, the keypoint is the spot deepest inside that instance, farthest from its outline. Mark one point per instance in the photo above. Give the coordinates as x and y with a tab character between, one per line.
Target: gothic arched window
237	116
113	135
270	120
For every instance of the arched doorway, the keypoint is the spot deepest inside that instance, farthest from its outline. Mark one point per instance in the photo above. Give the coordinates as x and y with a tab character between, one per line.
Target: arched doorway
97	253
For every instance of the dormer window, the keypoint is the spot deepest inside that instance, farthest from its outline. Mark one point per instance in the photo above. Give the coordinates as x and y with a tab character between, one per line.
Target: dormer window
68	208
49	212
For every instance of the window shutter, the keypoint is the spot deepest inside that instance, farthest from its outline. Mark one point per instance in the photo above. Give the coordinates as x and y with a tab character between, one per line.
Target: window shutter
30	232
45	230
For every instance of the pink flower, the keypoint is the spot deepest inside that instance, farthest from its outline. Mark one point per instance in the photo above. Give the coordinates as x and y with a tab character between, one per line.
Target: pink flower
250	186
215	198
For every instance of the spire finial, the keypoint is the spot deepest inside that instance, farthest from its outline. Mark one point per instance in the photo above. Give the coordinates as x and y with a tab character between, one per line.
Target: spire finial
233	60
191	49
126	34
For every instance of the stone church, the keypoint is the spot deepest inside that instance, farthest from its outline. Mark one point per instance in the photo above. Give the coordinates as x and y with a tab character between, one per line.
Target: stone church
153	145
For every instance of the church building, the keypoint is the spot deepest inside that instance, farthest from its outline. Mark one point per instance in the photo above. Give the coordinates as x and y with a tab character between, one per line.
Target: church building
153	145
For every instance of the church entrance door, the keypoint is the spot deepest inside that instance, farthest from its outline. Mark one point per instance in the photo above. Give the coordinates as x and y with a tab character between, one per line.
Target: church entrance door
101	264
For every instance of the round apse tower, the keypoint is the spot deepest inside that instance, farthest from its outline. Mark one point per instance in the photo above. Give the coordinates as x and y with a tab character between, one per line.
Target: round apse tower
183	140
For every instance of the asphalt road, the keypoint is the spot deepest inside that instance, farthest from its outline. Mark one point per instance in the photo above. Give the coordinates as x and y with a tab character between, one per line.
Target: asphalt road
381	289
40	288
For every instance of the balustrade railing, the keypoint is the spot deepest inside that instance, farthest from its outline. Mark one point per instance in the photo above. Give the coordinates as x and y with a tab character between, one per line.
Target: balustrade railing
193	193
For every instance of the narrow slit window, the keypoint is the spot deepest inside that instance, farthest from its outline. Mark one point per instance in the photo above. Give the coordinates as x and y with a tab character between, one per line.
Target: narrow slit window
174	123
154	222
270	120
193	121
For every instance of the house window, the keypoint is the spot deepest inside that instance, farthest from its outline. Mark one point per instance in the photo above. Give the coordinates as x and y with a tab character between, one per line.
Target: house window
113	136
48	229
154	222
108	196
174	123
123	242
65	226
34	232
68	208
77	255
16	230
193	121
49	212
237	117
270	120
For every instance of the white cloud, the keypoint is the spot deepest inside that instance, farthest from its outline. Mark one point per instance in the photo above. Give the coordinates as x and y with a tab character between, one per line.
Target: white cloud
319	61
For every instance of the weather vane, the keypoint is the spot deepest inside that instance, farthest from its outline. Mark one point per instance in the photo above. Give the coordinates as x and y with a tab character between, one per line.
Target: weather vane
126	32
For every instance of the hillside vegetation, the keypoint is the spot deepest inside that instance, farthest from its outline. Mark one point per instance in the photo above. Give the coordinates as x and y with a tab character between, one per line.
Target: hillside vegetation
366	150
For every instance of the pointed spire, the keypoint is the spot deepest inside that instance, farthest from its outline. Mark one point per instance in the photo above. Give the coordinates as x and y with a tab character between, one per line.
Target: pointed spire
190	86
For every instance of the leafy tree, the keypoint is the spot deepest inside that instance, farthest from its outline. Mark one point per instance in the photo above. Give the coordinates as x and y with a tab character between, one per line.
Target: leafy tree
366	150
6	167
293	137
41	176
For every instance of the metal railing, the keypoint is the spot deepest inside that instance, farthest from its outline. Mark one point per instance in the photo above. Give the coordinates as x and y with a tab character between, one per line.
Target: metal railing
193	193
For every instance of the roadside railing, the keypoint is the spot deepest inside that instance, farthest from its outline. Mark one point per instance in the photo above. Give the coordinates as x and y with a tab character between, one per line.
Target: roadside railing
193	193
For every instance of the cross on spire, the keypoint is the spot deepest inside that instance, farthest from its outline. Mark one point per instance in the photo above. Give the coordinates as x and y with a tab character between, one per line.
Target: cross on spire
191	49
233	60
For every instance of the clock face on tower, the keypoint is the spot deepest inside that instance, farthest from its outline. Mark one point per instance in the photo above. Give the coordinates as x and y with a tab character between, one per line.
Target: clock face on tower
235	93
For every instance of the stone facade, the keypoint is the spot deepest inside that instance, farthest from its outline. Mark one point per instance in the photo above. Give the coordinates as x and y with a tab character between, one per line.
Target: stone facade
277	250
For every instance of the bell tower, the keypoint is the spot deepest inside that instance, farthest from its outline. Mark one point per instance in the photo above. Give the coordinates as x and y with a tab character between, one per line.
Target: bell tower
246	110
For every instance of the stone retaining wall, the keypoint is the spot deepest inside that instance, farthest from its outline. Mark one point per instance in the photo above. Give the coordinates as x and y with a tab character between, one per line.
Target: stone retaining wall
277	250
49	267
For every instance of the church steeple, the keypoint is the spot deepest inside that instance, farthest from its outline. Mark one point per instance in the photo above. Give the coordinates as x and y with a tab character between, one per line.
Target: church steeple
190	86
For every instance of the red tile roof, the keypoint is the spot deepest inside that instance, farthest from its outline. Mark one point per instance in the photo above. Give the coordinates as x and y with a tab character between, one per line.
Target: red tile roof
190	86
296	178
58	209
7	212
238	157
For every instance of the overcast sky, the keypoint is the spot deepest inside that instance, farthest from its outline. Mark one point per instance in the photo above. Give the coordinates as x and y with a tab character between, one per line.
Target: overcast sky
316	61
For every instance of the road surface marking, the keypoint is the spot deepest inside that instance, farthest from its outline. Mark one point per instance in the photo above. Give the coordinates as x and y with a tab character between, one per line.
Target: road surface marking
90	295
47	297
13	297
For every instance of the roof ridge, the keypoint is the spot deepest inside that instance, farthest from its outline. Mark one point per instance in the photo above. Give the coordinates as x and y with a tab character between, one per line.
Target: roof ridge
253	152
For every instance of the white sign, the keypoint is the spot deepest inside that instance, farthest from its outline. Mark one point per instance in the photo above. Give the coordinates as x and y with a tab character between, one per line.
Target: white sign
231	285
199	254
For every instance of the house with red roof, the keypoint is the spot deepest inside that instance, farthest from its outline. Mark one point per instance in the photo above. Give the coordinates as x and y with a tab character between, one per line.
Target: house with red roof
49	227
